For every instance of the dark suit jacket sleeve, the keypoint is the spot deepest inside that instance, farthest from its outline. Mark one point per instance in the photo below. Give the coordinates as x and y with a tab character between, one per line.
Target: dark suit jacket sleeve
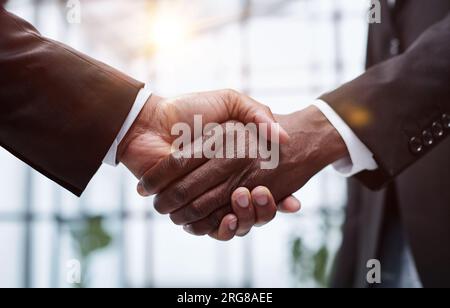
59	109
398	100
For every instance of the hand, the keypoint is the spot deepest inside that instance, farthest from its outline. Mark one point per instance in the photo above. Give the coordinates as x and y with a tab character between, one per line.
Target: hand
202	199
150	140
255	208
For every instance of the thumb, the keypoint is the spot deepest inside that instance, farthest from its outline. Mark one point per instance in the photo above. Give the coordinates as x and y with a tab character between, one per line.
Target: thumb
247	110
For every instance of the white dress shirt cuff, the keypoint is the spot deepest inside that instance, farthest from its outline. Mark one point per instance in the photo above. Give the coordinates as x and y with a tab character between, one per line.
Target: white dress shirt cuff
142	97
360	158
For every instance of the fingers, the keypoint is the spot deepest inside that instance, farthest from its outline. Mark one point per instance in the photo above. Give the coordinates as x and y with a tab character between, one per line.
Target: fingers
243	208
235	107
250	209
203	206
211	224
289	205
227	228
265	206
196	185
257	207
165	172
247	110
263	115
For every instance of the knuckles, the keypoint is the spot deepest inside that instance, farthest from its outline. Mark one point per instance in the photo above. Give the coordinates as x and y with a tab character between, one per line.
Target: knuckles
188	214
170	200
195	212
231	93
160	205
229	96
180	194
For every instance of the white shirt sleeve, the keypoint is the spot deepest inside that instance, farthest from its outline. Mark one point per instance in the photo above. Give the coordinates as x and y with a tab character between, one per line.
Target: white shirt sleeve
142	97
360	158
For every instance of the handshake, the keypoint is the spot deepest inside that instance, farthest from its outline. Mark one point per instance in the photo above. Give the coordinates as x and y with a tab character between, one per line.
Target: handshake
220	162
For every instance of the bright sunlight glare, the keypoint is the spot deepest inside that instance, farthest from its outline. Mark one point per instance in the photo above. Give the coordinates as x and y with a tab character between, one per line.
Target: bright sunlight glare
169	31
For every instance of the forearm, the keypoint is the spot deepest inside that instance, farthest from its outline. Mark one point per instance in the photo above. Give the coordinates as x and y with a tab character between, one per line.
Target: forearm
60	110
313	137
399	100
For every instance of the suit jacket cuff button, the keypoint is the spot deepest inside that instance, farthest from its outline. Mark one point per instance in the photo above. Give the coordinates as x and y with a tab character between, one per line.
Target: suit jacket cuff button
416	145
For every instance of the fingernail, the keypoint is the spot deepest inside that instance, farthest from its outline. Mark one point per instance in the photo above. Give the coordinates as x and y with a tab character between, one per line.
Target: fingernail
188	229
233	225
261	199
141	190
242	200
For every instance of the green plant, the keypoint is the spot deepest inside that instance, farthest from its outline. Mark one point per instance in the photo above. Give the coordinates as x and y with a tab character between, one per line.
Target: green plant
89	236
310	264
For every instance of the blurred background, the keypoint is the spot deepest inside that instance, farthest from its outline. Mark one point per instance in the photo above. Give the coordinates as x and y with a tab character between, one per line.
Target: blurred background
285	53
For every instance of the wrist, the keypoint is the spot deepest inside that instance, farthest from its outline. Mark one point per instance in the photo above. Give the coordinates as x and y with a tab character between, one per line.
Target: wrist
331	142
142	124
314	136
